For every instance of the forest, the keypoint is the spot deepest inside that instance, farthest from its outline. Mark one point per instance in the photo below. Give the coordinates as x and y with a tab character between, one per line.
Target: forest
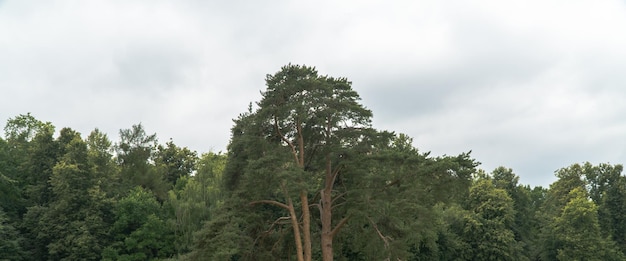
305	177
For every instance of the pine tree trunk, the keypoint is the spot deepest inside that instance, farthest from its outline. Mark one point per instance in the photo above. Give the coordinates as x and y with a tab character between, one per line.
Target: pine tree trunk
306	225
326	214
296	231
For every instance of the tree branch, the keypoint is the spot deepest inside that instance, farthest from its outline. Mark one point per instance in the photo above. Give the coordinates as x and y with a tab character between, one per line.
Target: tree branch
339	196
277	221
320	204
338	205
283	138
380	234
335	174
270	202
342	222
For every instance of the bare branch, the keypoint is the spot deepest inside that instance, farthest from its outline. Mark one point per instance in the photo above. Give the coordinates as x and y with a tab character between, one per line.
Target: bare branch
338	205
280	221
268	231
339	196
380	234
320	204
342	222
283	138
270	202
335	174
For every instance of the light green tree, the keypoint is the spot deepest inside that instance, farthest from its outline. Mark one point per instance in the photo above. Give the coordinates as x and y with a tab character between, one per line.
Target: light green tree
194	198
578	231
487	225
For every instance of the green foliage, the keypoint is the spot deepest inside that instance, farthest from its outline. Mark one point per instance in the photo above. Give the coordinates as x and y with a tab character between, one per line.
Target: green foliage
309	128
308	142
24	128
525	225
42	154
607	189
226	237
11	200
10	248
135	155
174	161
195	198
487	225
74	225
578	230
139	230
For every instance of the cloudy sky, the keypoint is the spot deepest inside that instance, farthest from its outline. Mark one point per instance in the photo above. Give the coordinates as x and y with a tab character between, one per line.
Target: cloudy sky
530	85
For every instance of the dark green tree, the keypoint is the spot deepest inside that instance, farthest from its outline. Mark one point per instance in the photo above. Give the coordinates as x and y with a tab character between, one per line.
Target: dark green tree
10	247
11	200
307	165
100	157
43	152
175	162
607	189
135	156
303	124
525	225
75	222
140	231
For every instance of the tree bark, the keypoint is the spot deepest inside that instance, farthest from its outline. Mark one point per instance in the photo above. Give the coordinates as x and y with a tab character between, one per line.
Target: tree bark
306	216
296	231
326	213
306	225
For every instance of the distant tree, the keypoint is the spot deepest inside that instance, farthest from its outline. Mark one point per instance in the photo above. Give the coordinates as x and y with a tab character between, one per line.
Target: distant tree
10	248
140	232
557	196
195	198
42	154
607	189
175	162
23	128
75	222
578	231
100	157
11	198
135	156
487	226
525	225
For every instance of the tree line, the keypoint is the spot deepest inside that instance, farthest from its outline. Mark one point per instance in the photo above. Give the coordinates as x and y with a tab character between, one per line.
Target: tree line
306	177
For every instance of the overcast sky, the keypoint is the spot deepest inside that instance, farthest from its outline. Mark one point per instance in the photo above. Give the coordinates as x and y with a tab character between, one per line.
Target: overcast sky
530	85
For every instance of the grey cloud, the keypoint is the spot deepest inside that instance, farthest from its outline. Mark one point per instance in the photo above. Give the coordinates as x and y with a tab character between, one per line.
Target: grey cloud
531	86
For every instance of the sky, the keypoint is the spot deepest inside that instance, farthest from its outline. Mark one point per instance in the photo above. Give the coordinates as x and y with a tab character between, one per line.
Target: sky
530	85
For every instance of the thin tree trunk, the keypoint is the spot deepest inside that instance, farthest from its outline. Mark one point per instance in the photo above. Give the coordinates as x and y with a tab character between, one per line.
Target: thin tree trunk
326	214
296	231
327	236
306	225
306	216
